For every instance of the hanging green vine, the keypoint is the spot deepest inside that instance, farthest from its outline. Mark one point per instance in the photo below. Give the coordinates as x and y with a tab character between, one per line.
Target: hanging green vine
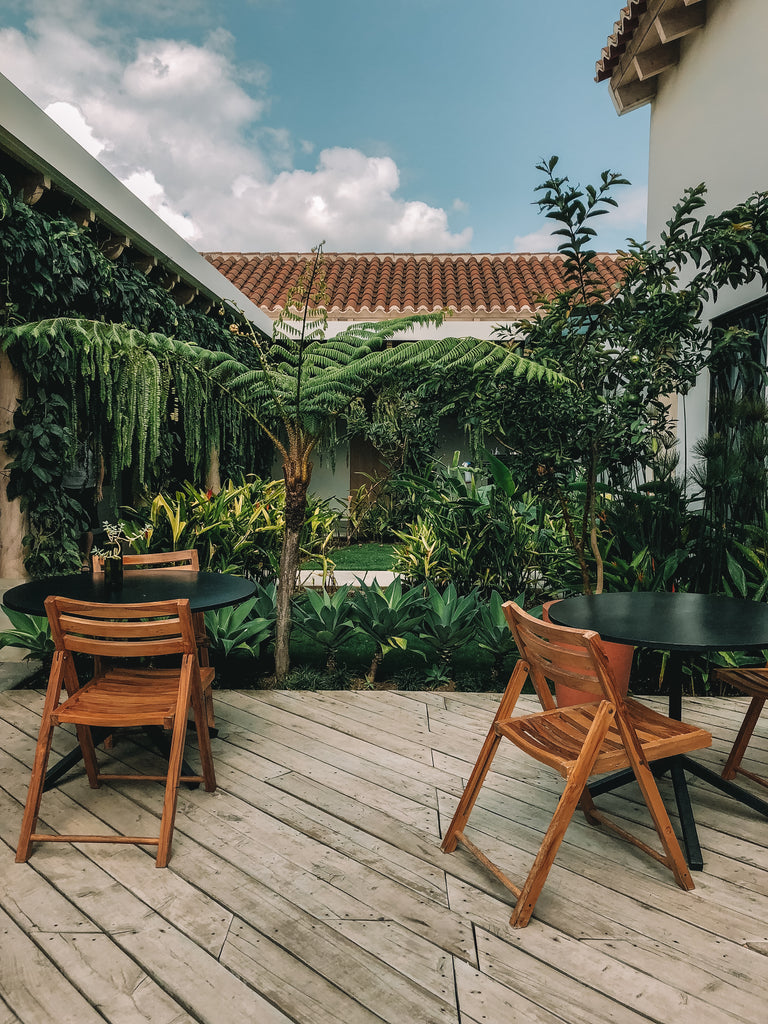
71	324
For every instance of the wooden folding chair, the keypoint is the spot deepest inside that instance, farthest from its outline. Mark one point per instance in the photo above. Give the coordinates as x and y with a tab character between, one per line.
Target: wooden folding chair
189	561
603	734
119	696
753	682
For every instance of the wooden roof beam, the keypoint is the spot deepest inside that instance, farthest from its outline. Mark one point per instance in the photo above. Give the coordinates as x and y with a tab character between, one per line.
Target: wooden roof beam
143	262
82	216
680	21
32	187
183	294
636	94
660	58
113	246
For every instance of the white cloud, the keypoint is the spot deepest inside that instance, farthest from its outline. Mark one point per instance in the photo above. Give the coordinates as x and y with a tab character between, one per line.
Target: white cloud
613	228
536	241
146	186
72	121
629	217
184	127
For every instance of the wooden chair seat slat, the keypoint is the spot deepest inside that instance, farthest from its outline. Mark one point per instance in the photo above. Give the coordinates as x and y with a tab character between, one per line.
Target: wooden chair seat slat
604	734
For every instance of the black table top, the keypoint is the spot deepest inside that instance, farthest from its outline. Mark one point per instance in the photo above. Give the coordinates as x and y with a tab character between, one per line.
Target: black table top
204	590
668	622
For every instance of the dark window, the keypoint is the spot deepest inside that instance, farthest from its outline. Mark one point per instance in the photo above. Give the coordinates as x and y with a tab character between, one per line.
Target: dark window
739	370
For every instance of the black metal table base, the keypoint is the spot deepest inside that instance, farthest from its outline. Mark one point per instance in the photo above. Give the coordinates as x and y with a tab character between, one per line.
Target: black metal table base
678	766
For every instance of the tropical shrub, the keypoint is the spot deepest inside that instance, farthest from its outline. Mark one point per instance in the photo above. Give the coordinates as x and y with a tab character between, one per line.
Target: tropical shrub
626	346
448	622
237	529
240	628
30	632
52	271
492	632
490	536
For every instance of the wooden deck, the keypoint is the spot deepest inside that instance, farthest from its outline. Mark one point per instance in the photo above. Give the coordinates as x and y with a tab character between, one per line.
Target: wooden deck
311	887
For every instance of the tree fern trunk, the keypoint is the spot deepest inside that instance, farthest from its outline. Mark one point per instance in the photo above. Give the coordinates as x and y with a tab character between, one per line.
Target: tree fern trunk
289	567
297	474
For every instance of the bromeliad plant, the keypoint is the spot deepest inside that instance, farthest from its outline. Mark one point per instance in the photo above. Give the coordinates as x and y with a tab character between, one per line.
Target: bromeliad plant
30	632
493	633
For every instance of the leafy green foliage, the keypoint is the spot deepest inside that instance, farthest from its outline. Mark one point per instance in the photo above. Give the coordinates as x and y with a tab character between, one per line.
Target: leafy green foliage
237	529
244	627
489	535
625	348
69	324
493	634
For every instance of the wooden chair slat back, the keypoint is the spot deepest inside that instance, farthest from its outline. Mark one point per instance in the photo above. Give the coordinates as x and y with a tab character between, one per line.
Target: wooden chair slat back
558	654
153	628
187	559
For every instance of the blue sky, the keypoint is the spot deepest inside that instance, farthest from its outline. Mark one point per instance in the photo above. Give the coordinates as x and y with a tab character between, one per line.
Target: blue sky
377	125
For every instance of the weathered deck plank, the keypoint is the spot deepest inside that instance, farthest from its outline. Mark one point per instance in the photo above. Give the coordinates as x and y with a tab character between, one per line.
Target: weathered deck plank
311	887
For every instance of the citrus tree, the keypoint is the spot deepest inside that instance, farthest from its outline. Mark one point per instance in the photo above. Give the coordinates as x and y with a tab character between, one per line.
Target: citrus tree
627	348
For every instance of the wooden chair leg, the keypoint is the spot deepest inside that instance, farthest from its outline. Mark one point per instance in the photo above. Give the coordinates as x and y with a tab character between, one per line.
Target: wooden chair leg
199	710
35	792
171	791
744	736
572	795
85	739
42	753
675	859
487	753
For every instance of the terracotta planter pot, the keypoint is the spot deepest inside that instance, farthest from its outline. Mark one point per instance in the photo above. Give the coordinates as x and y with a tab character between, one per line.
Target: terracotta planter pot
619	656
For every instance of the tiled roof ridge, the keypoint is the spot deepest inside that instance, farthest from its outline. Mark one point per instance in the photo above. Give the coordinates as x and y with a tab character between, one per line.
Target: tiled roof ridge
477	285
442	256
623	30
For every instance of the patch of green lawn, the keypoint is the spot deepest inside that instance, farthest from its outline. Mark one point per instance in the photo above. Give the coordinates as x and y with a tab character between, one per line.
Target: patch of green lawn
359	557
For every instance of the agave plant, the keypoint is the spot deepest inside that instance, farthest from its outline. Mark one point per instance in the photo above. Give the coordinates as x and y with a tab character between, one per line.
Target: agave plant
326	618
493	633
31	633
385	616
243	627
449	621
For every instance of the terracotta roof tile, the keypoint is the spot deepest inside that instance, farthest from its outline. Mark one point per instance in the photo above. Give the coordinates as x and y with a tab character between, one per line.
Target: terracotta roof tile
371	285
623	31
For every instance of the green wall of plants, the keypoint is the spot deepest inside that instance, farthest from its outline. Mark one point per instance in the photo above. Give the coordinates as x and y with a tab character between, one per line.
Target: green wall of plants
49	268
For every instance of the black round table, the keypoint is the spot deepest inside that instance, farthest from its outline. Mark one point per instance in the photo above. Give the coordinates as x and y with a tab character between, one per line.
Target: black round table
205	590
679	624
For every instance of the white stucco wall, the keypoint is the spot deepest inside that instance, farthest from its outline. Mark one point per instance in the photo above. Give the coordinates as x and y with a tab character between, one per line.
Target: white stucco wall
452	327
708	123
